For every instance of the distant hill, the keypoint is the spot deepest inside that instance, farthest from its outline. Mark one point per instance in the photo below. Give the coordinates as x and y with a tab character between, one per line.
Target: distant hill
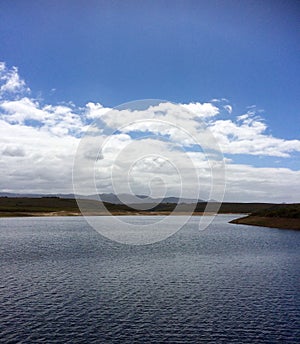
35	195
109	197
140	199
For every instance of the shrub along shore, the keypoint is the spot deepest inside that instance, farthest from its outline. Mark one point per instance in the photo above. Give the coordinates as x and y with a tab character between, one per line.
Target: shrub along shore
261	214
285	216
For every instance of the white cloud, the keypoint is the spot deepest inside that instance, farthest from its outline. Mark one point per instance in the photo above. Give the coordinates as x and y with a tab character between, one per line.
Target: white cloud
95	110
39	142
202	110
17	111
265	184
247	136
11	150
10	81
60	120
35	160
228	108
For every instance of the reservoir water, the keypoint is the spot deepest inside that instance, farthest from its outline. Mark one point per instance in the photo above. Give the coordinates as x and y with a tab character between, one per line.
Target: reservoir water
62	282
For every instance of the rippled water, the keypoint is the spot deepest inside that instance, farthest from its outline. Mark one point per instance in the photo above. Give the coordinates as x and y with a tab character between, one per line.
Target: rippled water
61	282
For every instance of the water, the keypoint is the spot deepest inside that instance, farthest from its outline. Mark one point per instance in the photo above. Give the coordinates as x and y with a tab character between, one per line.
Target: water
61	282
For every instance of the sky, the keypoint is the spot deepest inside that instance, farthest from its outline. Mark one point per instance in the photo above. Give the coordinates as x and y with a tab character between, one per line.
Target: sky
233	64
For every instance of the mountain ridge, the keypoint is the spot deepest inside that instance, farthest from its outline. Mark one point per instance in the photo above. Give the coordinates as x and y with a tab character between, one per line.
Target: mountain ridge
109	198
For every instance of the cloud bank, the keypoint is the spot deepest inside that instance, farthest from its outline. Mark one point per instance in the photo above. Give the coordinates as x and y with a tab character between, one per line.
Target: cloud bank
39	143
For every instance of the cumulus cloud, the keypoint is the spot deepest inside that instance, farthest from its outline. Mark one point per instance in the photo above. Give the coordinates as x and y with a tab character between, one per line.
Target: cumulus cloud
248	135
17	111
39	143
10	81
265	184
59	119
95	110
35	160
202	110
14	151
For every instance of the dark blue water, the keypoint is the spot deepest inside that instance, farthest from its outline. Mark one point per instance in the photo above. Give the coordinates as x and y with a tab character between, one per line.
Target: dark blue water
61	282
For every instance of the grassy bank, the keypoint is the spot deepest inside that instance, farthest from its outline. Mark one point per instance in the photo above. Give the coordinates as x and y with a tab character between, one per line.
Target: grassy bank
285	216
55	206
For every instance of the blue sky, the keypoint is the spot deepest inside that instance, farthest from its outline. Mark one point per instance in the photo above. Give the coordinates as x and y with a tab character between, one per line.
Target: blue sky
111	52
118	51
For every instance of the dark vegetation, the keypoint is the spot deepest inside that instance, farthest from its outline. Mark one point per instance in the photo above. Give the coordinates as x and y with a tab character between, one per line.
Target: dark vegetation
286	216
28	206
291	211
225	208
43	204
261	214
16	206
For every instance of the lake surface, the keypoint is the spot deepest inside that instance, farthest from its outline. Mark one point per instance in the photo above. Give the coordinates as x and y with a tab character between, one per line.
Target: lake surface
62	282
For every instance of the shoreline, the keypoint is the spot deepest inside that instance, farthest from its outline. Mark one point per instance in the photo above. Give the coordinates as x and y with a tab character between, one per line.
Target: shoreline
270	222
113	213
250	220
282	216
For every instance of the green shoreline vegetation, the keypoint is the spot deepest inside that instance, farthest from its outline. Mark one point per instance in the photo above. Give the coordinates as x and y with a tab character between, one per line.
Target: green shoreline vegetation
261	214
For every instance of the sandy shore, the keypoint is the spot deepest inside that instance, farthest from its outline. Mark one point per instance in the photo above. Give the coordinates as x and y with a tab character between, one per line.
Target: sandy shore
114	213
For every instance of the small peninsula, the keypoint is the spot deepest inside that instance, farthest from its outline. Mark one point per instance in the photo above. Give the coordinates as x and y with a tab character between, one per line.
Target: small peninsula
283	216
